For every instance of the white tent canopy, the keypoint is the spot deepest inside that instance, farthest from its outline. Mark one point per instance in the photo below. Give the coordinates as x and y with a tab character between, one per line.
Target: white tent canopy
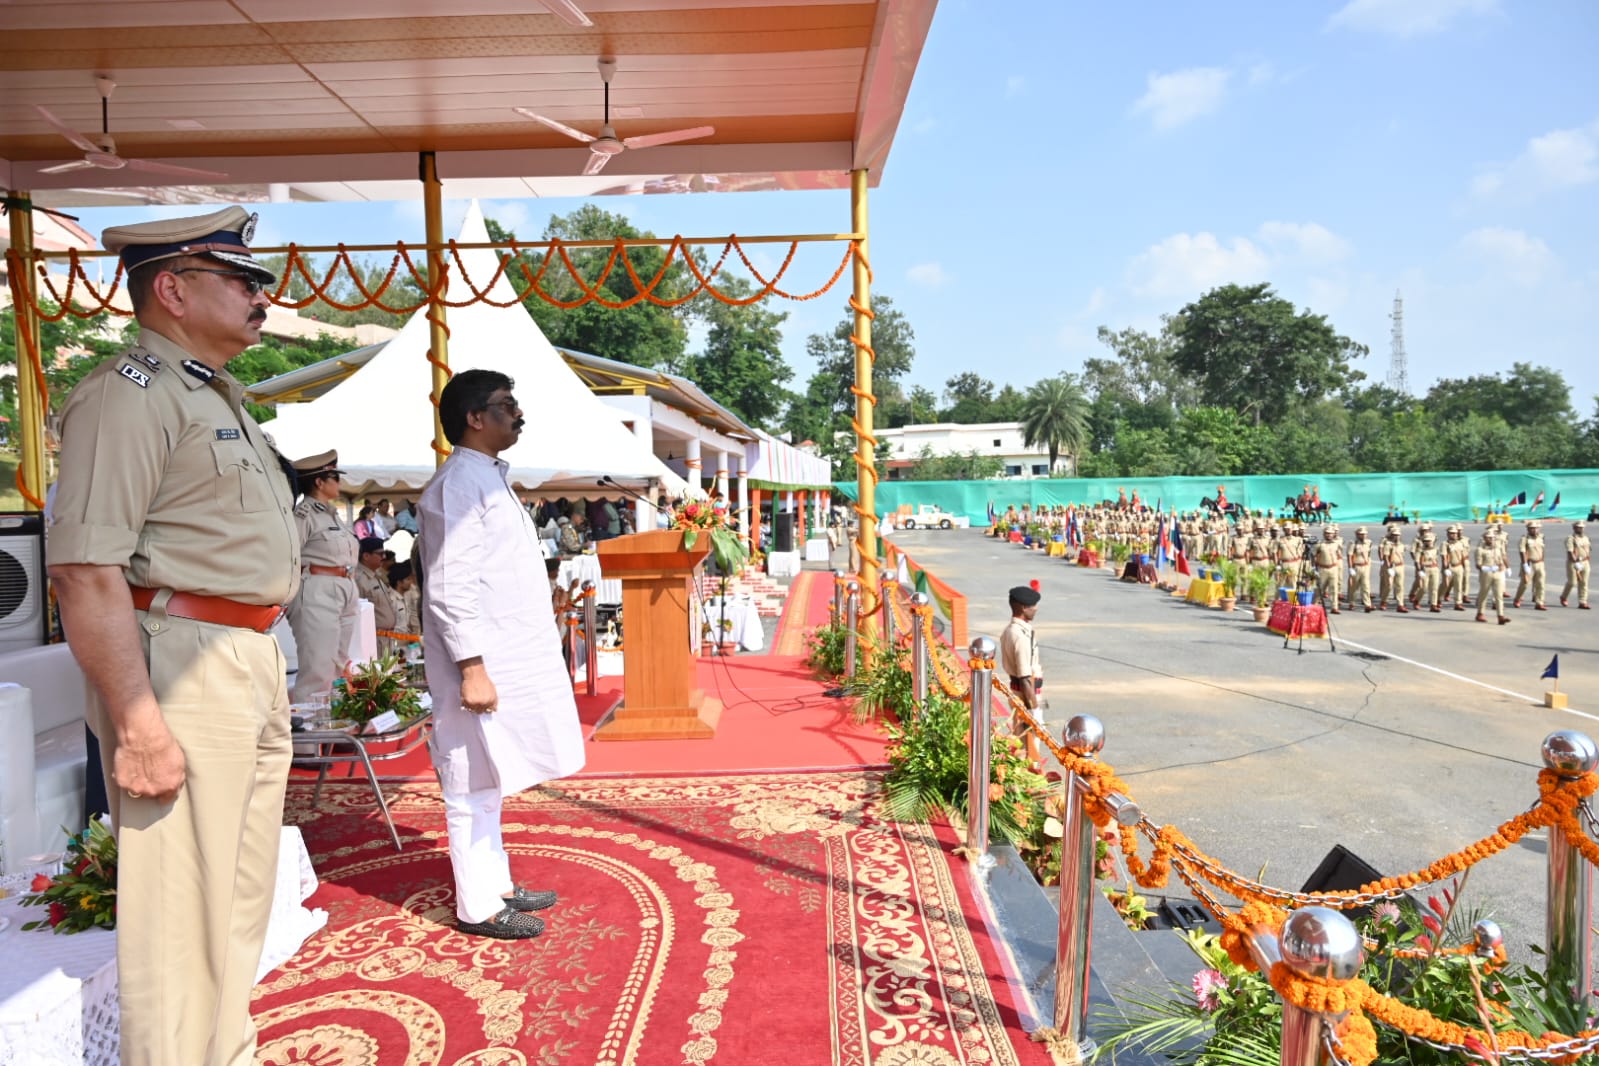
381	422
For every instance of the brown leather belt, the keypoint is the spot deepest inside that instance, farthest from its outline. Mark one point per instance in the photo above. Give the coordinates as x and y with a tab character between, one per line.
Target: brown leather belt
213	609
328	571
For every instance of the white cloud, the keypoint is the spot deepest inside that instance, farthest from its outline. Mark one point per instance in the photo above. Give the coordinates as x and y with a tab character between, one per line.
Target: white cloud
930	274
1262	73
1514	255
1015	84
1183	95
1305	240
1185	265
512	214
1406	18
1559	159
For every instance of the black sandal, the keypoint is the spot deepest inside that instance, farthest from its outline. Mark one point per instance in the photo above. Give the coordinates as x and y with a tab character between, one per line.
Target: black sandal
507	925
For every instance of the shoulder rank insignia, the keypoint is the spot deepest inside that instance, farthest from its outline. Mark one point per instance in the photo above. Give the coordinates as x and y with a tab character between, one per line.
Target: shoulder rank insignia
135	375
199	369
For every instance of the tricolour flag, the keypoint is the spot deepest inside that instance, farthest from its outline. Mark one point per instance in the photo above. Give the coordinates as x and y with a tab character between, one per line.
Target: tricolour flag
1554	504
1539	500
1552	670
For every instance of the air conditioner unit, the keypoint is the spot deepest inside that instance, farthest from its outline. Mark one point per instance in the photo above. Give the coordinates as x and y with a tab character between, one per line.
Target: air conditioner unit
22	591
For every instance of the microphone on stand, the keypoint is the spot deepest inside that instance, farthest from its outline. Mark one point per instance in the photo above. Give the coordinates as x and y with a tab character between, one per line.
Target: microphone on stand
608	482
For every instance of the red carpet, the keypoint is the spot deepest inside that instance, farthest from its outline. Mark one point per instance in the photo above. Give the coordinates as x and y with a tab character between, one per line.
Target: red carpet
742	919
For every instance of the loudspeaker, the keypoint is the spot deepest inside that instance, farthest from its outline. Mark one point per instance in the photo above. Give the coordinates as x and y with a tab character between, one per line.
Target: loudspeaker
1342	869
783	538
22	592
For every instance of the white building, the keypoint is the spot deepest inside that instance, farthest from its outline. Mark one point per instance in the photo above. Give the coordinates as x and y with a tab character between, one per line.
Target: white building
999	440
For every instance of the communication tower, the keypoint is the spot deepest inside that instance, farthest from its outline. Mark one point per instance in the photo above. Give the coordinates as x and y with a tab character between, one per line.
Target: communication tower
1398	376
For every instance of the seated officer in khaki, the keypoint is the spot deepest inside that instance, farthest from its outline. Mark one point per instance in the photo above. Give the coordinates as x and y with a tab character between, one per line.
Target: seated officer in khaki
372	582
173	548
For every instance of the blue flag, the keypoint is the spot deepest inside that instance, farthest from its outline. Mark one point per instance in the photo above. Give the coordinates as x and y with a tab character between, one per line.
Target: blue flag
1552	670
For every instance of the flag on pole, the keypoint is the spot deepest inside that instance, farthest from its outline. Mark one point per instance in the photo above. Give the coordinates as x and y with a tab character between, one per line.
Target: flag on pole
1182	566
1539	500
1555	504
1162	542
1552	670
1520	499
993	516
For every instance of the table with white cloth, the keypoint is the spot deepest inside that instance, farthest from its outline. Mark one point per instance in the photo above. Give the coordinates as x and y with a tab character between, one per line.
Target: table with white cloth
582	568
58	992
743	621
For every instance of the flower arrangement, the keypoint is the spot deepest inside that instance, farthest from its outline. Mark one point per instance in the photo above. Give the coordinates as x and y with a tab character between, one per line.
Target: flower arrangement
375	688
696	517
84	895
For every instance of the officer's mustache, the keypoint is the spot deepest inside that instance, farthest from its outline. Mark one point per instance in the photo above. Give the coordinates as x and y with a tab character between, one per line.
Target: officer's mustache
518	424
258	316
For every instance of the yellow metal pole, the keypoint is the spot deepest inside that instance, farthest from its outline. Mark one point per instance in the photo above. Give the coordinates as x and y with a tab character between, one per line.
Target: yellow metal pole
438	283
865	400
30	400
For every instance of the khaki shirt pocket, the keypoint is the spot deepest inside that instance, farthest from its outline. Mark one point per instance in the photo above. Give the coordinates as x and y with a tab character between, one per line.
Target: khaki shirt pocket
242	485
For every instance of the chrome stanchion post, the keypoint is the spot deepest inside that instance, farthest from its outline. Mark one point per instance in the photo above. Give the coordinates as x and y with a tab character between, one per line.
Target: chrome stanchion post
574	618
591	643
1570	887
886	597
852	611
919	651
1316	942
838	596
982	663
1084	736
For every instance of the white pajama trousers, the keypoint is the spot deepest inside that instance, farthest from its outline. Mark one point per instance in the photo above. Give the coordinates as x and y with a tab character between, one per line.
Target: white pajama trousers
477	854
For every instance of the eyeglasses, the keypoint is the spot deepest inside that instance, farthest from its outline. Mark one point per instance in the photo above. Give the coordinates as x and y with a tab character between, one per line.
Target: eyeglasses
253	283
509	406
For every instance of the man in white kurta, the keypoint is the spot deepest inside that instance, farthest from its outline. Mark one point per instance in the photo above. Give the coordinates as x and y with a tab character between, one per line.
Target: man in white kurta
504	714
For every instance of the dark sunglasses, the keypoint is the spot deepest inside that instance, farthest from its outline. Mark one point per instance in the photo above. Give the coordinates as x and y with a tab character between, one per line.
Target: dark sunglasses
252	282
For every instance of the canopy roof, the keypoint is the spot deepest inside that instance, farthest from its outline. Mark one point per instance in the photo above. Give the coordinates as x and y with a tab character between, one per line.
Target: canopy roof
569	440
311	100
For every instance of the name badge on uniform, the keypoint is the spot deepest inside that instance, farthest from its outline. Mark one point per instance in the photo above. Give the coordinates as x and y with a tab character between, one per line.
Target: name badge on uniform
227	434
135	375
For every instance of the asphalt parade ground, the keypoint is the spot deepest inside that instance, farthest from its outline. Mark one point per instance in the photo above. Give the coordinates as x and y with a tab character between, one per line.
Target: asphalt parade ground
1418	735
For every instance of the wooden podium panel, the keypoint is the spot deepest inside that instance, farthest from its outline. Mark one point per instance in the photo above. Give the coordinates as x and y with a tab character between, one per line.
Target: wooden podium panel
659	697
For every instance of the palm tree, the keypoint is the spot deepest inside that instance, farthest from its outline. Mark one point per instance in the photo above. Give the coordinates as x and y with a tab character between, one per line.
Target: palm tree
1056	415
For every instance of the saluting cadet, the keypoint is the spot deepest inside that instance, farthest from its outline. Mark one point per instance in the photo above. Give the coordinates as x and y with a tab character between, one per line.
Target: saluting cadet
1491	562
323	615
1578	559
173	549
1360	570
1532	571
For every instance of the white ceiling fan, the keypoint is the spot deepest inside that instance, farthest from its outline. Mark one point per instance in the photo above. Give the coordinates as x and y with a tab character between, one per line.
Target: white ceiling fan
607	144
102	154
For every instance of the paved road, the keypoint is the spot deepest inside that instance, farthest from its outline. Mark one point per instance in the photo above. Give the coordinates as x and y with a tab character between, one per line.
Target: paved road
1419	735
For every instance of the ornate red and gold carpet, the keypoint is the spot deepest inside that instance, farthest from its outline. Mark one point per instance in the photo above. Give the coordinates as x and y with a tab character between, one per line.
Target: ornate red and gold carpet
726	920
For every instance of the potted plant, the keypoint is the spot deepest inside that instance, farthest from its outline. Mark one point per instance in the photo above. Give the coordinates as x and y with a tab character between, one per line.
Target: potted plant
1229	585
1260	584
1119	554
372	689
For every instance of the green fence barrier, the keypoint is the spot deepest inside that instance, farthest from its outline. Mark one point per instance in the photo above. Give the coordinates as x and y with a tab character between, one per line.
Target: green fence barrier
1359	497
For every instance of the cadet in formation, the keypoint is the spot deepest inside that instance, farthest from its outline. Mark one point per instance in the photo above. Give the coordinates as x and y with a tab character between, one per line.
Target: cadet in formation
1391	553
1532	573
1360	571
1329	563
1491	562
1578	556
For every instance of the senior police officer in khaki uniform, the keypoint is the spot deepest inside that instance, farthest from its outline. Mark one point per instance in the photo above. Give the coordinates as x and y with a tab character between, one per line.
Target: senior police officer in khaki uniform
323	615
173	548
1579	557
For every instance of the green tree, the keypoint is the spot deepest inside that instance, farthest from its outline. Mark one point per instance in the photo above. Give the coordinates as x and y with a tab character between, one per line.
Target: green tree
953	466
402	291
970	396
69	348
1008	405
1528	395
643	334
1056	416
742	366
1212	442
1249	349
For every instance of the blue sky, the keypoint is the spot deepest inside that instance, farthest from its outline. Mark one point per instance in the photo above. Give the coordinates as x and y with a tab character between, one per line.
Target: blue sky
1062	166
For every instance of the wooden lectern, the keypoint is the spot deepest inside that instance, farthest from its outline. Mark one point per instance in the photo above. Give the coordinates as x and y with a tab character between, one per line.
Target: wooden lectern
659	697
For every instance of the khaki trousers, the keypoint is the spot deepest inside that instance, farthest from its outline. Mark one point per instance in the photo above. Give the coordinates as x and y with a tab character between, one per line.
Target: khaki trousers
322	618
1455	585
1327	587
1393	584
1360	586
1576	573
1429	580
195	877
1491	588
1531	577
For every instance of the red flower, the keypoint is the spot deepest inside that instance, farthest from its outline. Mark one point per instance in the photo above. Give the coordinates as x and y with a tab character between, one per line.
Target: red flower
58	914
83	864
691	511
41	882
